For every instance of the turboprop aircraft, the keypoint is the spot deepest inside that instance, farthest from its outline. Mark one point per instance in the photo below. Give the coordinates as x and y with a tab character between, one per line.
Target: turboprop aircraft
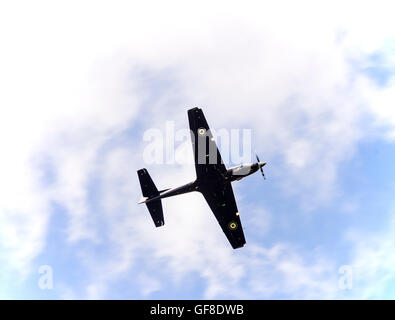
213	181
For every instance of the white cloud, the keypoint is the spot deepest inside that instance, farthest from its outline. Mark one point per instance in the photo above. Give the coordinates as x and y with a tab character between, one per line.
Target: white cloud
380	101
148	284
72	79
285	271
373	263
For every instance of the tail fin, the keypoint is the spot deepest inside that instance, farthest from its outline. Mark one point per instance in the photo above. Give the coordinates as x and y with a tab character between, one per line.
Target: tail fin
149	190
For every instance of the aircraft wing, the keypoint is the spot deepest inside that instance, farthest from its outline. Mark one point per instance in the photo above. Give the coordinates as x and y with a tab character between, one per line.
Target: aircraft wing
208	161
221	200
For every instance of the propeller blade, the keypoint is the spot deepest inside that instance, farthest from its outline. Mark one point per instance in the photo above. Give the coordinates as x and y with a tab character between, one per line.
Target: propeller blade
257	158
263	174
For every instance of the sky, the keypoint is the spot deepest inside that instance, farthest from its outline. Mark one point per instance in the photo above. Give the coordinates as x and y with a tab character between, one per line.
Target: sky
82	82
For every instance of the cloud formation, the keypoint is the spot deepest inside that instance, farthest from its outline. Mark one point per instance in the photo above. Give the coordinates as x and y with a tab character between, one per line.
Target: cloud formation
80	84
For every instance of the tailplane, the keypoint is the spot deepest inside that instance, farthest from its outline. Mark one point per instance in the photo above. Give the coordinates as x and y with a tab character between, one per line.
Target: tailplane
149	190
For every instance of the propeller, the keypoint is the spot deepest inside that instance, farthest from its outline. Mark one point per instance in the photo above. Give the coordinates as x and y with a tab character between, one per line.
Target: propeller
260	166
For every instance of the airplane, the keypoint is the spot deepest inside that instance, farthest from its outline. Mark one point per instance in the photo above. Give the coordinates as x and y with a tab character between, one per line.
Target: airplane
213	181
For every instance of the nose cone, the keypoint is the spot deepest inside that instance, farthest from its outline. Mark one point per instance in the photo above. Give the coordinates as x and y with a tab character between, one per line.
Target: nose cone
261	164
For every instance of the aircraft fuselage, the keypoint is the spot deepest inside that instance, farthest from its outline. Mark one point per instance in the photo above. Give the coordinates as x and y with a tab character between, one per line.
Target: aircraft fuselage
232	174
242	171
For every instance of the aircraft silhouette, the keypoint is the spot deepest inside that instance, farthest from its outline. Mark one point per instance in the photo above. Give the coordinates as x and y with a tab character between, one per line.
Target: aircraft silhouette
213	181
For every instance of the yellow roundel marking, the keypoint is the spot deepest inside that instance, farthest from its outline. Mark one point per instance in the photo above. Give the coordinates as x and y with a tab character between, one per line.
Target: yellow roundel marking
233	225
202	131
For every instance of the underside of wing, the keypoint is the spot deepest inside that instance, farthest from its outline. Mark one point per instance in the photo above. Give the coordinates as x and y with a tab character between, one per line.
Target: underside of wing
208	161
221	200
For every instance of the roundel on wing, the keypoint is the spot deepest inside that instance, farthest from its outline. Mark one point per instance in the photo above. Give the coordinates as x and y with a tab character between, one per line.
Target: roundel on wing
201	131
232	225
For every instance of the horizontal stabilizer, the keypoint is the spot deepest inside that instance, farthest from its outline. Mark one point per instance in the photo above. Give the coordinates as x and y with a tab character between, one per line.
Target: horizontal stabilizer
156	211
147	185
149	190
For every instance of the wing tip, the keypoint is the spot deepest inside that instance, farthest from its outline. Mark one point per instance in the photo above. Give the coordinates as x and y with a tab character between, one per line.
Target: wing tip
238	246
194	110
159	223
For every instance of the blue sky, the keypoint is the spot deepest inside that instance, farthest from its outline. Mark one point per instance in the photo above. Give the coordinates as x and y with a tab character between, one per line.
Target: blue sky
315	90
